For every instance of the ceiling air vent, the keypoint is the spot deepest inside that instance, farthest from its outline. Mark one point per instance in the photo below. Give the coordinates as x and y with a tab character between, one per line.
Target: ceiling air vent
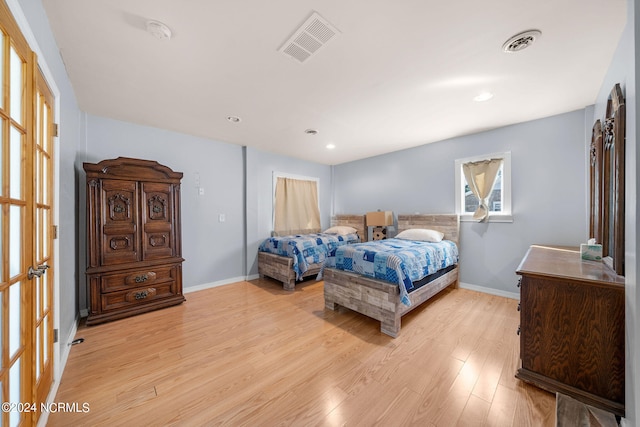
521	41
309	38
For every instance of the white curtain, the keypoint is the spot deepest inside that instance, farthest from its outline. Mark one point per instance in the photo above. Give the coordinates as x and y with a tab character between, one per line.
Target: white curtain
481	177
296	207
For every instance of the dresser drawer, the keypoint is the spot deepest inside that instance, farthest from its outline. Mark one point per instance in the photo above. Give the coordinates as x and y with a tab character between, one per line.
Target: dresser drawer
138	296
137	279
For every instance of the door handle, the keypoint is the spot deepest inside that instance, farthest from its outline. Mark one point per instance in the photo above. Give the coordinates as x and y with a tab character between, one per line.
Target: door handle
37	272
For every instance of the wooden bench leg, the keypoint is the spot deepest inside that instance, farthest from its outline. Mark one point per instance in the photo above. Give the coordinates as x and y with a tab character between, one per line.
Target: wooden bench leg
288	286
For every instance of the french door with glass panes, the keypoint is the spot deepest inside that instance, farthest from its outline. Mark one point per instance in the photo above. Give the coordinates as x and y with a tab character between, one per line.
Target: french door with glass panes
26	177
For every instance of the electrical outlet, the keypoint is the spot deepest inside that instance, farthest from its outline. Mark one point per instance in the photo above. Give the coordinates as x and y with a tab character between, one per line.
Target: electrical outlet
222	218
201	191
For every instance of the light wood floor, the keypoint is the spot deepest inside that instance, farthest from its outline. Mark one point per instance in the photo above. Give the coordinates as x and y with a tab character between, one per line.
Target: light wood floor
251	354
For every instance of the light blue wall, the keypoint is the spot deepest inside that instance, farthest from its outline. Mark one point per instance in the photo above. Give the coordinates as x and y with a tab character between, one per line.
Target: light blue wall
624	70
548	196
259	195
213	250
237	182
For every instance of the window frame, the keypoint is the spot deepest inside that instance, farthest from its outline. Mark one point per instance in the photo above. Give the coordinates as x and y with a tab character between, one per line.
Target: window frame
506	214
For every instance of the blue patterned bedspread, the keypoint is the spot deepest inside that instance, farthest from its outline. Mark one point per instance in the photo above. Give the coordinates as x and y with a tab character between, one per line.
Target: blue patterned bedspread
397	260
306	249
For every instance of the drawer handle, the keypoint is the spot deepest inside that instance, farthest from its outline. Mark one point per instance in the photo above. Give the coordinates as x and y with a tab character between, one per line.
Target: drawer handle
518	306
518	331
519	281
140	279
141	295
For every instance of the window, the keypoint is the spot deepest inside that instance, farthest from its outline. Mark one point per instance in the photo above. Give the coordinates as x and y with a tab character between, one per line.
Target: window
497	206
296	207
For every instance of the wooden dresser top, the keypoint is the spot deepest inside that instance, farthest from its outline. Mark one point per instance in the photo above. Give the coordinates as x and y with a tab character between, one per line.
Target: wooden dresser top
565	262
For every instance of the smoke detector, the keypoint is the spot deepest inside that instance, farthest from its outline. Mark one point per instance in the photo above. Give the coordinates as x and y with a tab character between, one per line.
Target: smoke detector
309	38
158	30
521	41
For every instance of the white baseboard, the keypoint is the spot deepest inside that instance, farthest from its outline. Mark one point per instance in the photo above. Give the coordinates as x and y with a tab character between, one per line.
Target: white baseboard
483	289
213	284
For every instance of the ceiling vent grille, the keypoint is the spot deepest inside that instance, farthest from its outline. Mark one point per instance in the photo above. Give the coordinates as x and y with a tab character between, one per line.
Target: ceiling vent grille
521	41
309	38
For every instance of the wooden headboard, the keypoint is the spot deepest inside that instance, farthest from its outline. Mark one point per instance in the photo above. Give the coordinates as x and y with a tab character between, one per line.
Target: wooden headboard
449	224
355	221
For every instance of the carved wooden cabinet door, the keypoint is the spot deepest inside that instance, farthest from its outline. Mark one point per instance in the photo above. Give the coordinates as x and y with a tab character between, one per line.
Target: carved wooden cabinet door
158	222
119	222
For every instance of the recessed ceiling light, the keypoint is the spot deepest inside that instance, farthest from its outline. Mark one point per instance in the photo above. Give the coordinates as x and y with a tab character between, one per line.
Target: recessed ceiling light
234	119
330	146
311	131
158	30
484	96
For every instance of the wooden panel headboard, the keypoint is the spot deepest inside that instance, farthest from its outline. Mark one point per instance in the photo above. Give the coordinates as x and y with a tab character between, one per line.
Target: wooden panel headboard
355	221
449	224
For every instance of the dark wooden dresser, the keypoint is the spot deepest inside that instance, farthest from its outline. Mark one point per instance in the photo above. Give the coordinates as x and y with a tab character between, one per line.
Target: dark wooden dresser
572	327
134	261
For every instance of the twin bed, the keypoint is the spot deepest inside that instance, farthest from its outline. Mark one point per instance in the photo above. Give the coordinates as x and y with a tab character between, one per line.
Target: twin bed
289	259
383	299
383	279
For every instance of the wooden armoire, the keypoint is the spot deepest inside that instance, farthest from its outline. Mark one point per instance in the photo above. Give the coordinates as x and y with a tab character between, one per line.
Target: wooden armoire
134	257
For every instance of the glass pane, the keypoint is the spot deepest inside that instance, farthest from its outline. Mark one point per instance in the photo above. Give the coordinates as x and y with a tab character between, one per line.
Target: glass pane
42	176
15	240
2	249
45	350
37	286
15	158
14	391
2	294
37	234
2	144
495	200
45	233
37	178
45	293
2	37
38	356
38	123
16	86
14	318
45	130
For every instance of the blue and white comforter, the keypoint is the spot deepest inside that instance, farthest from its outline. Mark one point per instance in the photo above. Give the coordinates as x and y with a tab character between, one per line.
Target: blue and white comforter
306	249
397	260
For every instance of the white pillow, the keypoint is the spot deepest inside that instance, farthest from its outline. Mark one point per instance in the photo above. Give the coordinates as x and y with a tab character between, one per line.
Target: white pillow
340	230
421	234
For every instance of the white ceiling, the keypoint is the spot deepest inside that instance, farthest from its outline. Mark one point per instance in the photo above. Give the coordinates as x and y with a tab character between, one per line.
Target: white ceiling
399	73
